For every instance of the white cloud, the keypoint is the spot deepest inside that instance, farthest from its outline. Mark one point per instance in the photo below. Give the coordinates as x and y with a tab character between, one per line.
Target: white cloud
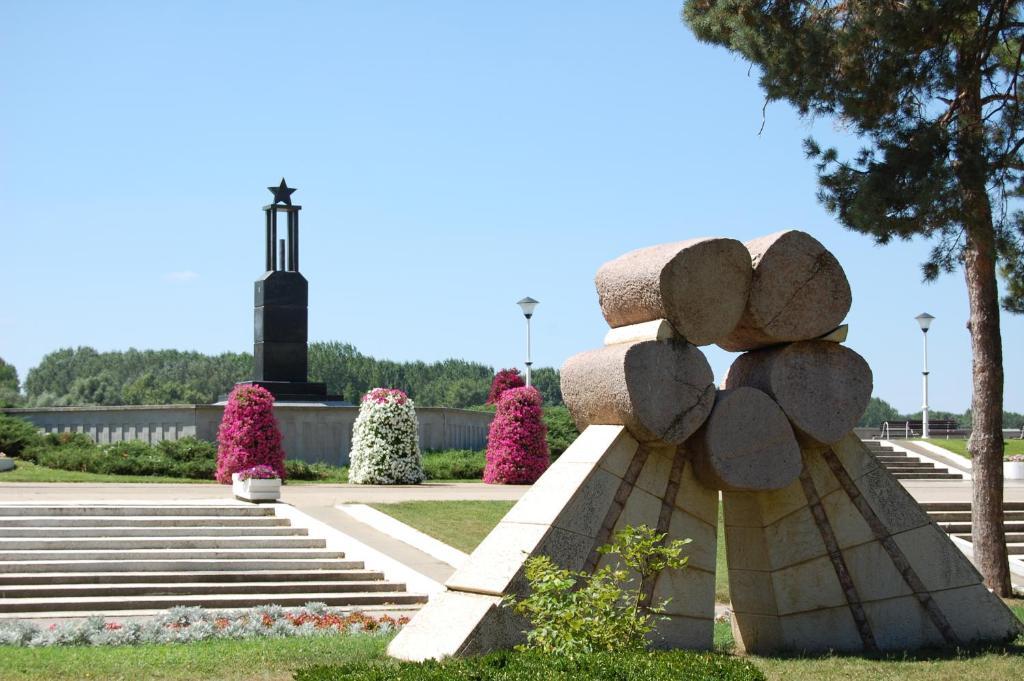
181	277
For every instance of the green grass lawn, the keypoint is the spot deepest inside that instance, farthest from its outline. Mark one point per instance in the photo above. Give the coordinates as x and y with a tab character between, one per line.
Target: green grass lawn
278	659
274	659
959	446
462	524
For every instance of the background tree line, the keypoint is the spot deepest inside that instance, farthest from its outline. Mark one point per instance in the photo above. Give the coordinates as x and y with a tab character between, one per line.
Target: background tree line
879	411
84	376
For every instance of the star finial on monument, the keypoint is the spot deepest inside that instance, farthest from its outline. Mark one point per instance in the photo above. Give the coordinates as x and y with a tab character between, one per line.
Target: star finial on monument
282	193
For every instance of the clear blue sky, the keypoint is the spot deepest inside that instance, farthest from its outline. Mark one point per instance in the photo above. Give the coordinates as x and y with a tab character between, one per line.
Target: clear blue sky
451	158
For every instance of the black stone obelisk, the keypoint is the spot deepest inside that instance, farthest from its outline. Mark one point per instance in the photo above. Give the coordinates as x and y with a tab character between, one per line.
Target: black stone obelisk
281	325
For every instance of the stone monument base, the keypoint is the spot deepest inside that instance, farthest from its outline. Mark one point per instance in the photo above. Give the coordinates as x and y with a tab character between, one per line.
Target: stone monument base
289	391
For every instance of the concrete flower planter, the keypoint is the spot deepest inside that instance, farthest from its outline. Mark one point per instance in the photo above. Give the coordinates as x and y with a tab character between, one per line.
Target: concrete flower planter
6	464
1013	470
254	489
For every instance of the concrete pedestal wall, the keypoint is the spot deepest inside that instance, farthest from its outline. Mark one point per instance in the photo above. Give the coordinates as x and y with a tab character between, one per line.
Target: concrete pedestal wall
311	431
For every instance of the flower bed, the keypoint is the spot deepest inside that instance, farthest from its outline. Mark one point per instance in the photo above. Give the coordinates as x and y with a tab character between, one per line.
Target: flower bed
187	625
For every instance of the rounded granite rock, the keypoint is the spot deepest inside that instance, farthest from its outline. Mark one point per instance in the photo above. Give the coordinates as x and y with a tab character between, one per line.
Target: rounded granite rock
746	444
661	391
822	387
700	286
799	291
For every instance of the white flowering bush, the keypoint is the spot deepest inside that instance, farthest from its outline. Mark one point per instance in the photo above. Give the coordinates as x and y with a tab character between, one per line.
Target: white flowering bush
191	624
385	441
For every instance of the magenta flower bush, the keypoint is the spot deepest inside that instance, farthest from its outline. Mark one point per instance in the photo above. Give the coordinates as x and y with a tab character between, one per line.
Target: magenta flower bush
248	434
505	379
261	472
517	447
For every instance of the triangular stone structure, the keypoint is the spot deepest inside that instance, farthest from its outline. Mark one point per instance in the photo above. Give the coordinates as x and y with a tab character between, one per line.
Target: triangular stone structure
826	550
603	482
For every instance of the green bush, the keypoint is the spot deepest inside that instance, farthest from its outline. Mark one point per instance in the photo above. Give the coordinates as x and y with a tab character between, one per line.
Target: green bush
454	464
295	469
16	435
575	612
188	450
188	458
675	665
561	429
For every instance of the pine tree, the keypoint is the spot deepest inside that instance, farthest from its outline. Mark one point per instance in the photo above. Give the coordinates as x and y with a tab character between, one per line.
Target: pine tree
931	89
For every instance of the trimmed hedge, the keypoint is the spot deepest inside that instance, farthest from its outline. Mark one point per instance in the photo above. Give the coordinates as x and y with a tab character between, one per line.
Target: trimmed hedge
17	435
675	665
454	464
187	458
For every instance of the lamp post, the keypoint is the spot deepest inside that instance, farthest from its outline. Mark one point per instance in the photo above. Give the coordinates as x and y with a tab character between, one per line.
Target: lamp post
528	305
925	320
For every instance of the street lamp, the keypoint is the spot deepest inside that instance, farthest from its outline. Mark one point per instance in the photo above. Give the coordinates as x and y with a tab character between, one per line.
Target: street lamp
925	320
528	305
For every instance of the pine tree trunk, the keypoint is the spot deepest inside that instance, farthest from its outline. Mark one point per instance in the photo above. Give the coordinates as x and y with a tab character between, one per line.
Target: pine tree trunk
986	443
988	538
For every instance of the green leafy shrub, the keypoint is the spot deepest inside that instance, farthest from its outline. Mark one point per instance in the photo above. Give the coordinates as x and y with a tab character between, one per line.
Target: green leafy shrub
188	449
188	458
52	441
576	612
675	665
303	470
561	429
454	464
16	435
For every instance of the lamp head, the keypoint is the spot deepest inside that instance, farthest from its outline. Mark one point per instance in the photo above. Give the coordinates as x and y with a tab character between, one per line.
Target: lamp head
925	320
528	305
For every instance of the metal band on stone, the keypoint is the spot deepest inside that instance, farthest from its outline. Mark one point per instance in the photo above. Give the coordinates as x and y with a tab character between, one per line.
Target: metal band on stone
899	560
835	555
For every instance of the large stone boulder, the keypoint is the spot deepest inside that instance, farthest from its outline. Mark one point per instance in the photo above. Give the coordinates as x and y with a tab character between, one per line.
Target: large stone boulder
700	286
799	291
822	387
660	390
746	444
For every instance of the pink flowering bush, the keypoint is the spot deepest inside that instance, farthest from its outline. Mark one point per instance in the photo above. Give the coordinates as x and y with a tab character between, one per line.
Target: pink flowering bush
504	380
517	447
261	472
248	434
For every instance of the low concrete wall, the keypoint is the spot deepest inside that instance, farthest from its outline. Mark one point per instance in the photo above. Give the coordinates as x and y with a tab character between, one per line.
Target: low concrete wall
311	432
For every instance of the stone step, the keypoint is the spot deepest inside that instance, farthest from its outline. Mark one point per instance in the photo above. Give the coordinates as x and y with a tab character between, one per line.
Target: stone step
894	457
142	521
965	516
104	603
9	595
87	532
11	546
966	506
176	565
165	554
909	464
928	476
930	506
1011	537
965	528
1014	549
201	576
134	510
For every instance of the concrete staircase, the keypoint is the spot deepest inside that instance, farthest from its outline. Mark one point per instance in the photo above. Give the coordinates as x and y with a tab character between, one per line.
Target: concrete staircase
118	558
906	467
955	519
